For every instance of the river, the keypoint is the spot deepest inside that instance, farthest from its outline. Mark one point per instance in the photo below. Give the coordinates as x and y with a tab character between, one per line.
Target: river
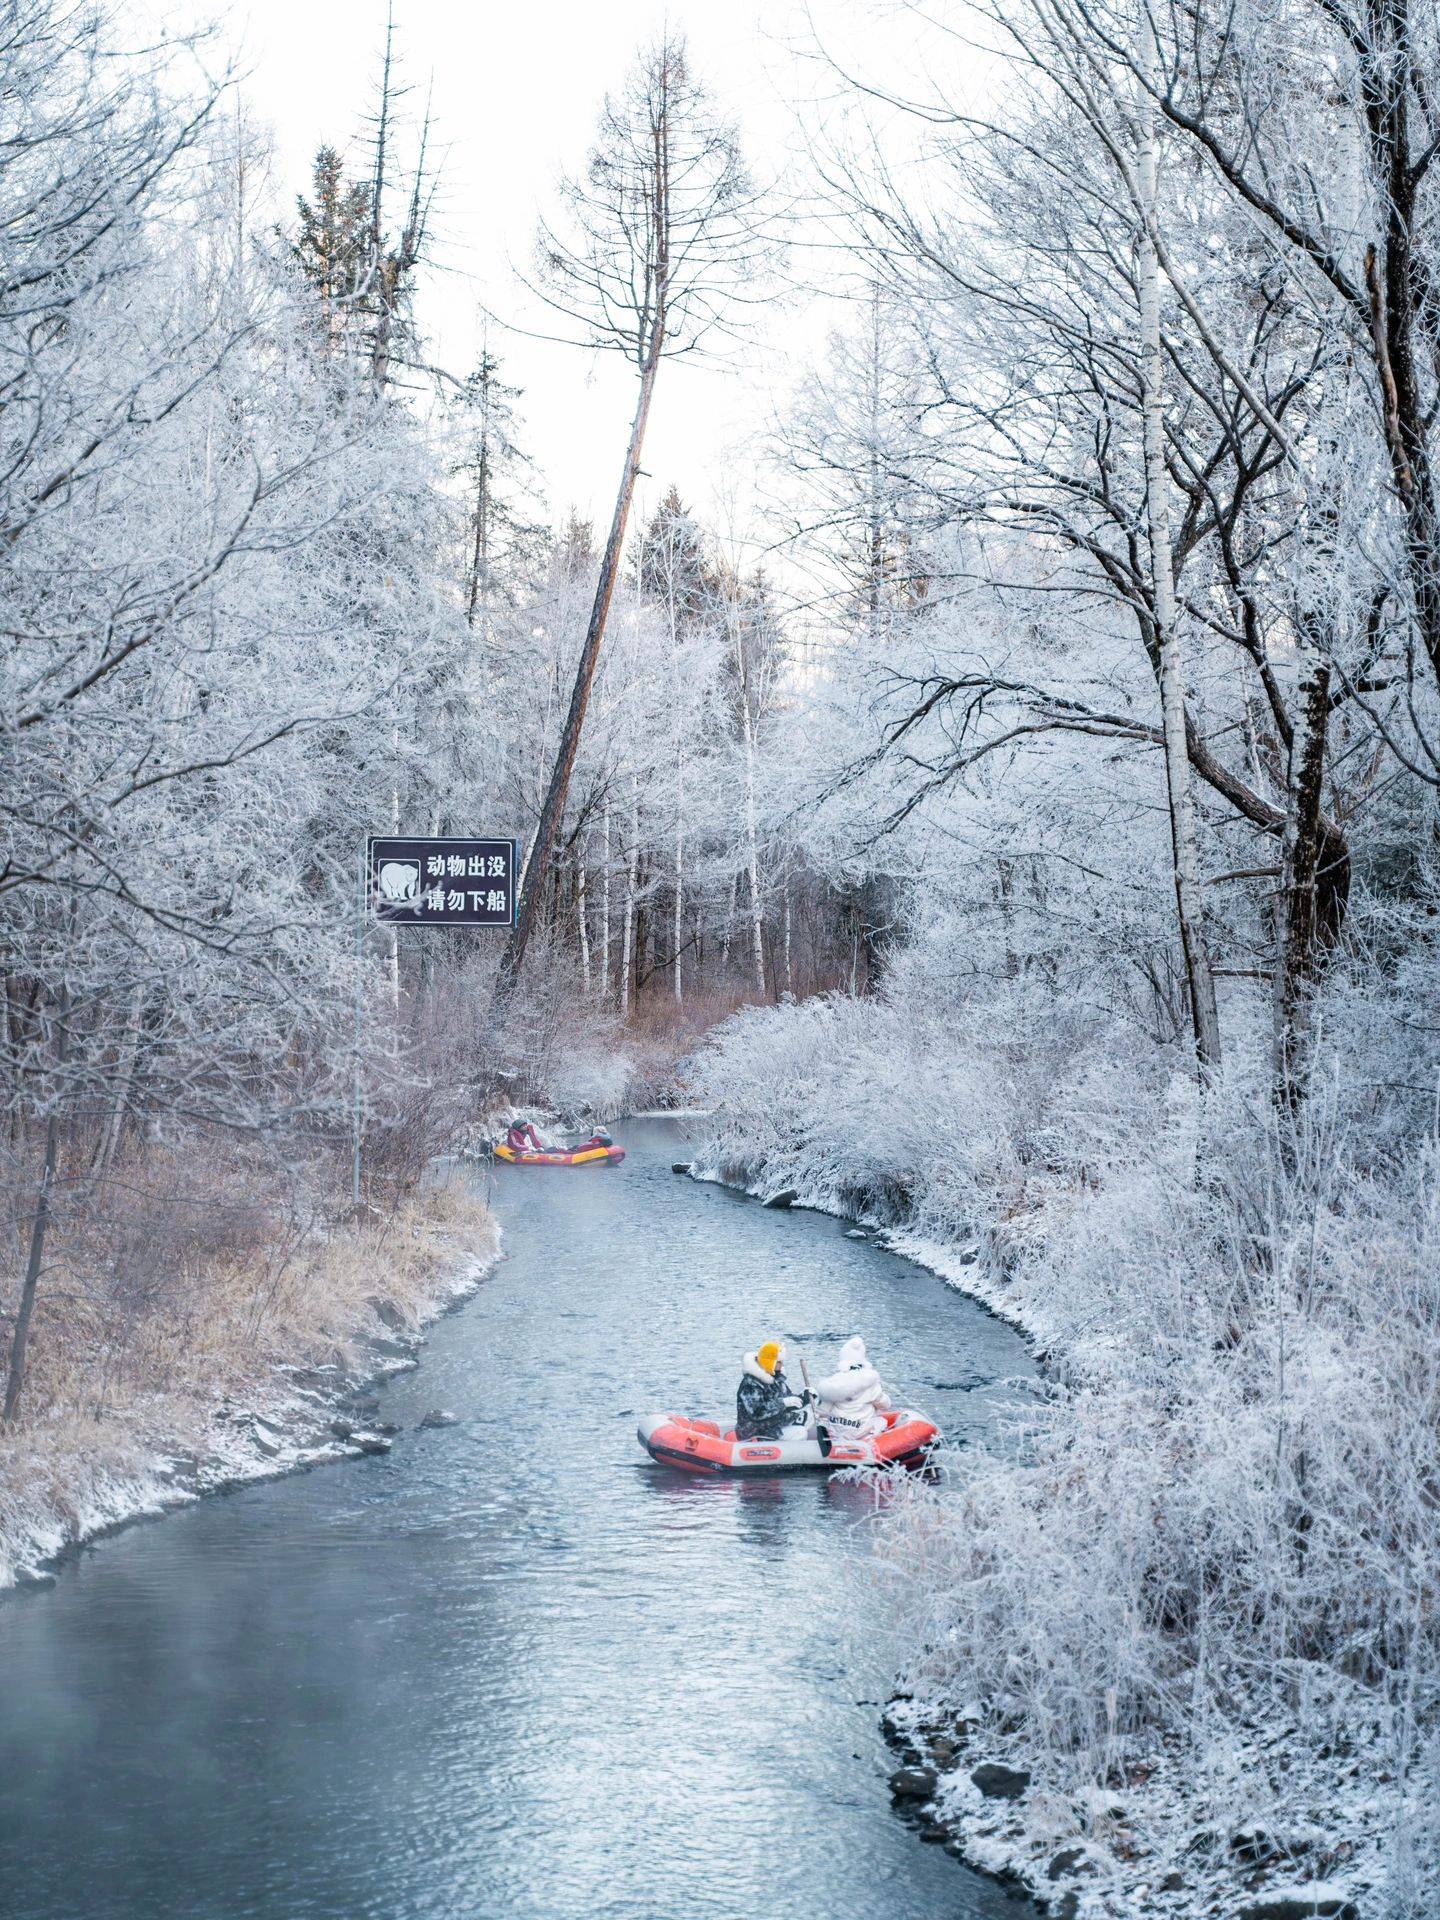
512	1668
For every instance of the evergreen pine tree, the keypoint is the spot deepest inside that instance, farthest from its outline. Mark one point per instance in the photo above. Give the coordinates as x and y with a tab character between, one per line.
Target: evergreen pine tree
499	486
331	241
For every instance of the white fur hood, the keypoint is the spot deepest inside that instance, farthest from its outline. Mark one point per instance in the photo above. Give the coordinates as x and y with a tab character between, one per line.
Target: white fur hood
855	1380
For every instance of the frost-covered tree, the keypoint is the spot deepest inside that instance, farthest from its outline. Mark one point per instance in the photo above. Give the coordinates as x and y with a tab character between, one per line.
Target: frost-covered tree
502	535
220	578
660	239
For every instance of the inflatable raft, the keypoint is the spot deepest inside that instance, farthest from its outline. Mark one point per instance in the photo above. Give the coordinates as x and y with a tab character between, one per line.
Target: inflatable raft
592	1153
699	1445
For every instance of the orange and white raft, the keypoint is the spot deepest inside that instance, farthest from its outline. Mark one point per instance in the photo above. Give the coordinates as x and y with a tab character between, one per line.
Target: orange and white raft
591	1153
700	1446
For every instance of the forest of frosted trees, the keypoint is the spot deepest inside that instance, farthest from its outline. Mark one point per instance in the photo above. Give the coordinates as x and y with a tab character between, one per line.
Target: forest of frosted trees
1027	839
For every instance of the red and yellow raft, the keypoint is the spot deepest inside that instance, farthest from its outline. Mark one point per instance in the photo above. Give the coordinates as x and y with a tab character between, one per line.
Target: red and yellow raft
700	1446
591	1153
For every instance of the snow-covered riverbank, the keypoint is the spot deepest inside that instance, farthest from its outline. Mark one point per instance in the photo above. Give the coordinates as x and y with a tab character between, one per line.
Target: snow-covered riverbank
1112	1857
274	1385
1178	1630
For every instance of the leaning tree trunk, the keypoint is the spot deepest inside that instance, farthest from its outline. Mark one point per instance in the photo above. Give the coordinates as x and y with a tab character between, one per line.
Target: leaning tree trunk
1189	898
553	809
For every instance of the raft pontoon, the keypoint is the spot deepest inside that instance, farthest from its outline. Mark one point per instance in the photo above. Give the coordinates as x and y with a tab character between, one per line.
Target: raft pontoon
701	1446
591	1153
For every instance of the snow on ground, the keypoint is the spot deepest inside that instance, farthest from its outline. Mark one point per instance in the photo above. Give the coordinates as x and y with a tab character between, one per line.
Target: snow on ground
1242	1771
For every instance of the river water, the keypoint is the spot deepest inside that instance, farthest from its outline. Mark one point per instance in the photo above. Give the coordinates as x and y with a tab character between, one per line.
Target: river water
512	1668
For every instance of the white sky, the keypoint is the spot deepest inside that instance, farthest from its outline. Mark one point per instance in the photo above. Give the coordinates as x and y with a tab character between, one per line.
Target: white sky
516	90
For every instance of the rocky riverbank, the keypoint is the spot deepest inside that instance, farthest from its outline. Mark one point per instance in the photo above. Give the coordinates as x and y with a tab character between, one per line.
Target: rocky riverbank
265	1394
977	1798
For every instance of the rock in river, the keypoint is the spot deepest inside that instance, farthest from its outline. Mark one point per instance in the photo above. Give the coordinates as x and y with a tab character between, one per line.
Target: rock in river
786	1197
438	1417
913	1783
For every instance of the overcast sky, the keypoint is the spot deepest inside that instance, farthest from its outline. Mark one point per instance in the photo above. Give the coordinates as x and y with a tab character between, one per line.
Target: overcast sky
516	89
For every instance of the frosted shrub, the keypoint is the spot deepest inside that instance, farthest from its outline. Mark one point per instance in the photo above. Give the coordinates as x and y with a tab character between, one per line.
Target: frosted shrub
1232	1526
867	1106
1211	1553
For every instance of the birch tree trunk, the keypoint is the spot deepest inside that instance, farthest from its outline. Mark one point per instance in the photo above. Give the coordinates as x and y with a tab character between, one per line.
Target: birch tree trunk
728	934
1170	639
757	945
392	933
679	911
605	901
627	943
581	922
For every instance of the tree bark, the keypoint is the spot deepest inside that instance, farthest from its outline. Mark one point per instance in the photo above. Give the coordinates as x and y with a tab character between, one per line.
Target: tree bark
20	1343
679	919
124	1080
1387	78
479	553
627	942
556	793
752	843
1189	899
581	922
1302	933
605	902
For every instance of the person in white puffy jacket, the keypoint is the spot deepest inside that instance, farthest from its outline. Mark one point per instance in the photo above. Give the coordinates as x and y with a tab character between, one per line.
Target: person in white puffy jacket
852	1398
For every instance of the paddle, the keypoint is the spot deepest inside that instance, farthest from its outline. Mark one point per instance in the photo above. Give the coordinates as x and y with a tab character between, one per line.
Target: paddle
821	1437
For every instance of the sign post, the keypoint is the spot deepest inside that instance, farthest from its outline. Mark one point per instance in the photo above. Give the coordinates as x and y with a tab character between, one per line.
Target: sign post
426	880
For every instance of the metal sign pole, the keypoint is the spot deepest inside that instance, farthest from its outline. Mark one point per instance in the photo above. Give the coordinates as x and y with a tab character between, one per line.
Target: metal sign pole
359	1028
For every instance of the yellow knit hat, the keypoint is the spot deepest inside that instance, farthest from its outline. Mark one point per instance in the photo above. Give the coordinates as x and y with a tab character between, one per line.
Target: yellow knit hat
770	1356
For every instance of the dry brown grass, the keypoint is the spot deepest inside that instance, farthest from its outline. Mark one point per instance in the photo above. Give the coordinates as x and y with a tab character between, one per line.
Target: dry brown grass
660	1036
157	1317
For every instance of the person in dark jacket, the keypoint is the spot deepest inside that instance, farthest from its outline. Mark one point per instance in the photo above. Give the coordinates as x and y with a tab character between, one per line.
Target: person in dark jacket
765	1408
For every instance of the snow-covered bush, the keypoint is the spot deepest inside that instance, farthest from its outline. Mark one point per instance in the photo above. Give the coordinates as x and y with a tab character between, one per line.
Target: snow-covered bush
1211	1552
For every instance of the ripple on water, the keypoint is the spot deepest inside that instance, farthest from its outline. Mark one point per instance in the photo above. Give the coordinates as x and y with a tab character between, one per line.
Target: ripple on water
511	1667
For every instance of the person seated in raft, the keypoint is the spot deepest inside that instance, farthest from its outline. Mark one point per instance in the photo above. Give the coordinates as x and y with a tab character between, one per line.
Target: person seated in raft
852	1399
521	1137
765	1408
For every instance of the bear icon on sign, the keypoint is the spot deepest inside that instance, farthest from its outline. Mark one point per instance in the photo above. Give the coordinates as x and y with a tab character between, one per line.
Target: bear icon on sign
400	882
